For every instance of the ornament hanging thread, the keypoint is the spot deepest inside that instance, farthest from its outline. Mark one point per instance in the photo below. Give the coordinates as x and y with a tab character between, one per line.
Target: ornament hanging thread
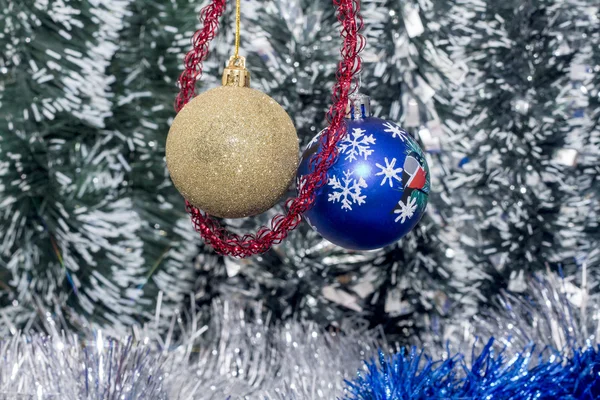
226	242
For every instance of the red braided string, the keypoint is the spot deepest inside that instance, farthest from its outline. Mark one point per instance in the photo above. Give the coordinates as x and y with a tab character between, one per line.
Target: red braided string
228	243
209	16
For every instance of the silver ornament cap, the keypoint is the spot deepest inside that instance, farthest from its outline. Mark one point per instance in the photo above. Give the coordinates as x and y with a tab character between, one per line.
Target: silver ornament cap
359	107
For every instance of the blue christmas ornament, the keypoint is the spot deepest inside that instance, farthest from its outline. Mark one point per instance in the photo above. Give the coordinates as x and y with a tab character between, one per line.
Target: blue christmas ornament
378	188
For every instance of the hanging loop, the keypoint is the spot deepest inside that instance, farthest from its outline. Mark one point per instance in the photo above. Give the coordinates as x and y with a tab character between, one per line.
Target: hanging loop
226	242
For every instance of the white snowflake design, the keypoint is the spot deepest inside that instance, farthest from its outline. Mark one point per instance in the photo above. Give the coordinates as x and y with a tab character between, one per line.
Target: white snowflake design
394	130
390	173
357	144
348	191
406	210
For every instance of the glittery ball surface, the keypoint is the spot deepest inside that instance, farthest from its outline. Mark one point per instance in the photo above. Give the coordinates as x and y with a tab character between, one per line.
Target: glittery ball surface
232	152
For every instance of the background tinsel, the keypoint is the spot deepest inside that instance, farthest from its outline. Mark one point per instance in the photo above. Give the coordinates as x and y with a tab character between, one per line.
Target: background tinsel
503	96
545	346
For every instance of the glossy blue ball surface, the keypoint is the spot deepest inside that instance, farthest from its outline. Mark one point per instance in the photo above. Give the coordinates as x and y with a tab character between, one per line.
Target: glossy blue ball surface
377	190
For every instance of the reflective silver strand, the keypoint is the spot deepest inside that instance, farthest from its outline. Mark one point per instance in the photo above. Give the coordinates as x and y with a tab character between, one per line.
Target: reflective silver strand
237	355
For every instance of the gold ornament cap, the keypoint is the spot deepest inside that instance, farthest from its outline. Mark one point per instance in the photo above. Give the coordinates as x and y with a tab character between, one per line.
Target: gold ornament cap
236	74
359	107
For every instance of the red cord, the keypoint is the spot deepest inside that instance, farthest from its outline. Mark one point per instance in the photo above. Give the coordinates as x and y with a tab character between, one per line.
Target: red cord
209	16
228	243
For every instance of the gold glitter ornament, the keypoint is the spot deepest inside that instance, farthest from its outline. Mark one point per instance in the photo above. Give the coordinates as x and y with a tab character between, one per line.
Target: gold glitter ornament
232	151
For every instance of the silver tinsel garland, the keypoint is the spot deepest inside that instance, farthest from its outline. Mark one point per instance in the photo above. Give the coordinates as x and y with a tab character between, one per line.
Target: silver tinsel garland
552	312
560	313
243	355
236	357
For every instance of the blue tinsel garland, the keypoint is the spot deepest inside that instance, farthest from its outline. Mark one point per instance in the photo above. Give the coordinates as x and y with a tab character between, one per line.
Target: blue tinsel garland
491	376
546	348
